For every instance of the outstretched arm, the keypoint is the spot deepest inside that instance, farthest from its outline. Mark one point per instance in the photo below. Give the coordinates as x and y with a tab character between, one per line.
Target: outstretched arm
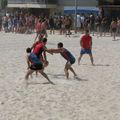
47	50
59	50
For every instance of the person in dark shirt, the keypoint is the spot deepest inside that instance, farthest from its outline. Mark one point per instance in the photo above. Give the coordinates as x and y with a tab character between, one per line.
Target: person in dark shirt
66	54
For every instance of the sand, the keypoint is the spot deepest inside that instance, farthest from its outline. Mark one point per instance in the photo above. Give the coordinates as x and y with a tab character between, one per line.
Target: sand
95	96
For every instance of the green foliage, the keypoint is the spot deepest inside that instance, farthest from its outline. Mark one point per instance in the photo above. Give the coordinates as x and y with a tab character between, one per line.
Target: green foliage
3	4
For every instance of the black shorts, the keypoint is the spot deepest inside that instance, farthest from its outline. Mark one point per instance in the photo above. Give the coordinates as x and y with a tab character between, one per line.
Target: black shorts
67	26
71	62
52	26
114	30
36	67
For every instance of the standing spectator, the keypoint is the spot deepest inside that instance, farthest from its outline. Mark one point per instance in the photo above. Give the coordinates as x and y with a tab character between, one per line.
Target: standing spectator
98	24
118	28
15	23
82	21
92	25
10	23
67	25
78	23
51	25
60	25
0	23
44	28
113	28
38	27
62	31
5	23
104	26
87	23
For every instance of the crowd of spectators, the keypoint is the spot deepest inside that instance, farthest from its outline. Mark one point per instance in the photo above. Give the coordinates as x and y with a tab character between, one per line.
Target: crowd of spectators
28	23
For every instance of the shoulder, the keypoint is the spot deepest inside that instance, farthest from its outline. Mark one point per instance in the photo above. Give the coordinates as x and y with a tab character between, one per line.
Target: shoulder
82	36
90	36
62	50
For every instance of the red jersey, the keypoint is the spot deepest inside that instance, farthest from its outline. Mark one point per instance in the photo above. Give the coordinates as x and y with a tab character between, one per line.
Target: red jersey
86	41
38	49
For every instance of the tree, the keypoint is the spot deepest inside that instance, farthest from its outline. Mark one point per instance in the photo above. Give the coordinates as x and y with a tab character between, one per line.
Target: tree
3	4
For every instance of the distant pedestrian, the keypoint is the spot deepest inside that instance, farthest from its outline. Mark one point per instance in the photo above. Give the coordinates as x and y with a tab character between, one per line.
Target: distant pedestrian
113	28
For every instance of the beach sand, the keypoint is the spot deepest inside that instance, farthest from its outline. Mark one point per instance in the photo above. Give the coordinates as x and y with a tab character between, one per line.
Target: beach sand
93	96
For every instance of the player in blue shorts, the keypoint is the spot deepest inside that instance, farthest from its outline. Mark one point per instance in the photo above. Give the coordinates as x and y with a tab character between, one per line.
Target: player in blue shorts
66	55
34	64
86	47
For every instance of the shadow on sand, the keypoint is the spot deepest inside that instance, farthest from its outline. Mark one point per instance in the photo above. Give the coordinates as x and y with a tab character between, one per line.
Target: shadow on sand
36	83
80	79
116	40
107	65
60	76
97	65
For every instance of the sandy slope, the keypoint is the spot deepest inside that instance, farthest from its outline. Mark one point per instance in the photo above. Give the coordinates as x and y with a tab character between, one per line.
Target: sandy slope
95	97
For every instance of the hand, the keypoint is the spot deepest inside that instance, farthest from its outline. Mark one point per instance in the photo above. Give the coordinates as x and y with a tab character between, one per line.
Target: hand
46	63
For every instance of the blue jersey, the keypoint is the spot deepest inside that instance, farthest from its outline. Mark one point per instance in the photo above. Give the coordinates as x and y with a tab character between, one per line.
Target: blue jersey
34	59
67	55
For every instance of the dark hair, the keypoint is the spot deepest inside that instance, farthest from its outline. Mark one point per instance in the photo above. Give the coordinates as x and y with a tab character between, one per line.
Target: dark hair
44	40
60	44
39	20
28	50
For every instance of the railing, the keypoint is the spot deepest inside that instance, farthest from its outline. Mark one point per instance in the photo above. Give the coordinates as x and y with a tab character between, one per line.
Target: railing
32	1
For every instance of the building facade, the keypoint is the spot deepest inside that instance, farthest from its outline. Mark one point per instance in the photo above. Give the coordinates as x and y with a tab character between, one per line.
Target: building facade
50	6
110	8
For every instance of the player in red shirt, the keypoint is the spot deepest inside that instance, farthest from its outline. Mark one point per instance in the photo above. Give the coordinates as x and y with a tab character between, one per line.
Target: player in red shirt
40	50
86	46
38	28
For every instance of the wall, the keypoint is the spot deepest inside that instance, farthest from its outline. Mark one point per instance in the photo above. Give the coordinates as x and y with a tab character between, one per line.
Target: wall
79	2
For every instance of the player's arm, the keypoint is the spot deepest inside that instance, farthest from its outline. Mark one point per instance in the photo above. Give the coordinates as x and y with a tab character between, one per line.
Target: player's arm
91	43
59	50
47	50
44	56
81	43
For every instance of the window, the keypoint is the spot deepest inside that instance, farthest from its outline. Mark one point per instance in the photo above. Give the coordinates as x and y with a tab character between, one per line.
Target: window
109	2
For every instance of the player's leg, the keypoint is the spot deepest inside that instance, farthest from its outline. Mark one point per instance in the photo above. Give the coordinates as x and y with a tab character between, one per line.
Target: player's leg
91	58
29	72
45	75
66	70
79	59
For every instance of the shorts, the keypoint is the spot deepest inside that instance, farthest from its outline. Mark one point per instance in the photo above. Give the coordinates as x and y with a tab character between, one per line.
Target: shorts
67	27
36	67
70	62
52	26
85	51
114	30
